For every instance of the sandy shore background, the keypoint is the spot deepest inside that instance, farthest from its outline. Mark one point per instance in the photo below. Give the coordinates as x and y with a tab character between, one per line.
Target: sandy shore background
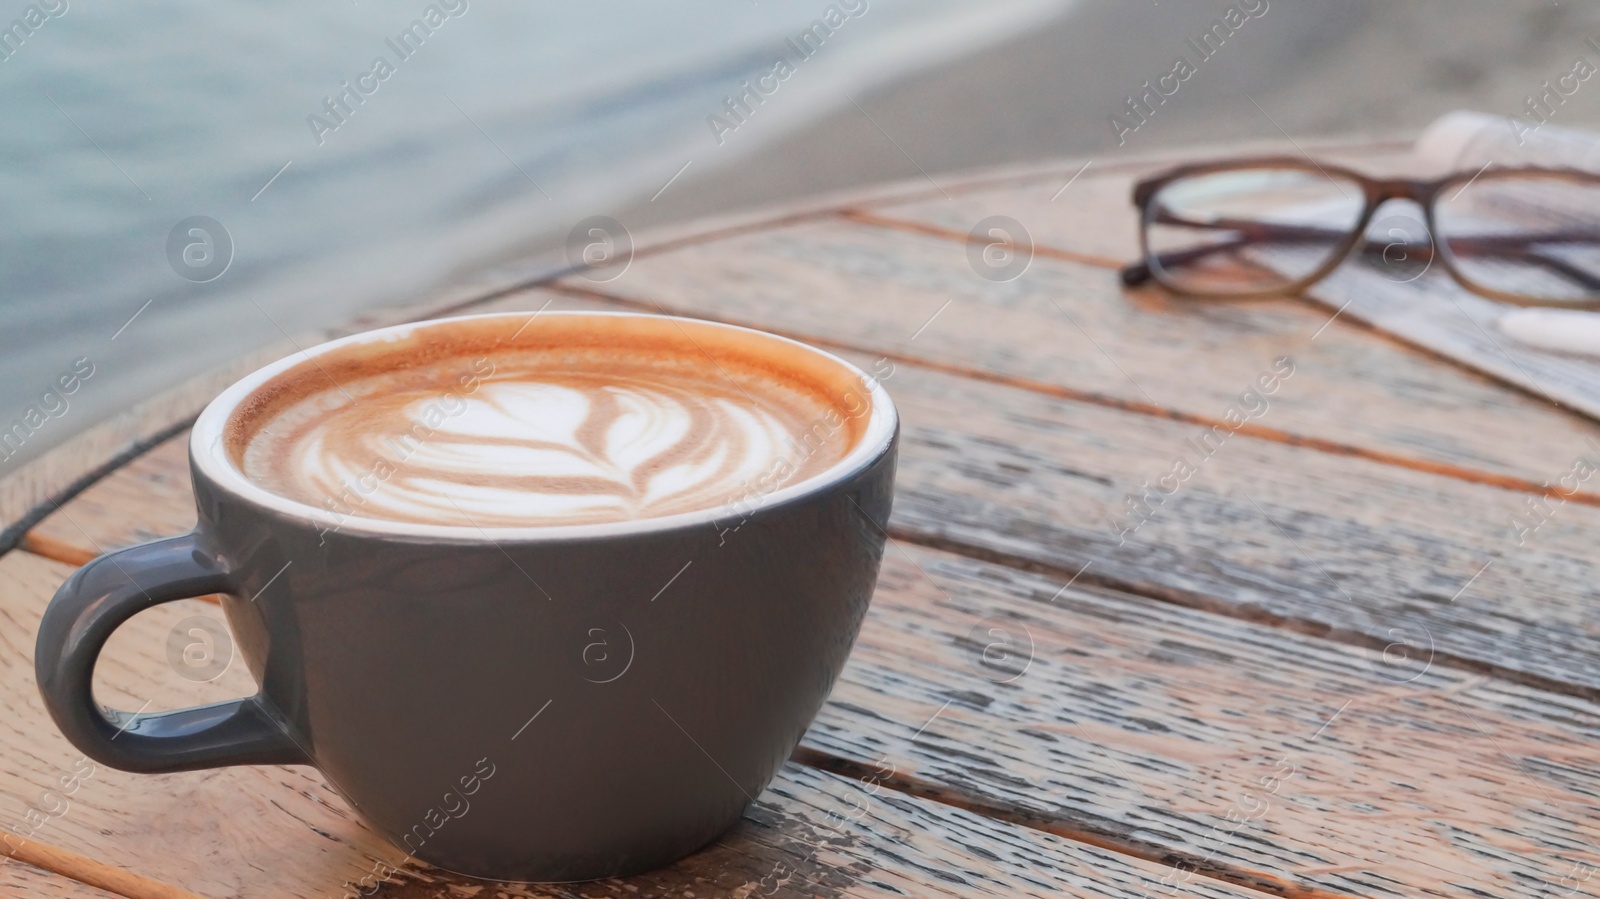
1307	67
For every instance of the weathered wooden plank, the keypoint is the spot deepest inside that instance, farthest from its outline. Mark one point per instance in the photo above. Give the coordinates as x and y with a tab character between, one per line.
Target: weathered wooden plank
1331	545
1328	544
18	879
1295	765
125	819
1069	328
125	508
1085	210
1087	218
85	457
281	831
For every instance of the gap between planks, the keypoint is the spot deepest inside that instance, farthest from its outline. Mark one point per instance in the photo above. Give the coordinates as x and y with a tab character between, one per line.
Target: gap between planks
1247	613
86	870
1232	875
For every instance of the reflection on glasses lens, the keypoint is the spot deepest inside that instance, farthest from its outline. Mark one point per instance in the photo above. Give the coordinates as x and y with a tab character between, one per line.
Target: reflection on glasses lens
1250	230
1533	236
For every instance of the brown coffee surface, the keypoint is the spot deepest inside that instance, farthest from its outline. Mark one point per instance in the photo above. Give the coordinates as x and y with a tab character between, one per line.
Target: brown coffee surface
461	426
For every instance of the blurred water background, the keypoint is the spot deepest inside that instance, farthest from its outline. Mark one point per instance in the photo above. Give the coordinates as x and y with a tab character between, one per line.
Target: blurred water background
496	131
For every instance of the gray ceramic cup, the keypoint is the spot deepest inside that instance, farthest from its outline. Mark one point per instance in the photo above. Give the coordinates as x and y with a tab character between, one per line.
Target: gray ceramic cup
535	704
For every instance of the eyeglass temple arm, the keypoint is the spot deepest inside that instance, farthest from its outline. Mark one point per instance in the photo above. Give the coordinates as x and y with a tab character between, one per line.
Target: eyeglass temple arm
1135	273
1566	269
1513	245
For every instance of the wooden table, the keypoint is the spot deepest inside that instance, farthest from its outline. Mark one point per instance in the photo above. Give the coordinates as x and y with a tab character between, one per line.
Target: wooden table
1323	665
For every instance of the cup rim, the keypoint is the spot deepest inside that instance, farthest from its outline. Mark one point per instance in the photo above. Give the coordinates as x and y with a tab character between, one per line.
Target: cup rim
209	456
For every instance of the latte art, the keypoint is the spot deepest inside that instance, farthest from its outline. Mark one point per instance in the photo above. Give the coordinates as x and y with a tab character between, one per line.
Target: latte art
520	450
546	439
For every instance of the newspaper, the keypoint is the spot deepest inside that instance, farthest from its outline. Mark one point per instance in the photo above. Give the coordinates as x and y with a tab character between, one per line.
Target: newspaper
1421	304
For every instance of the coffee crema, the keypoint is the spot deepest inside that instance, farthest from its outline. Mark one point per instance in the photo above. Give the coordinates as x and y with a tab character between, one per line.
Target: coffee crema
575	419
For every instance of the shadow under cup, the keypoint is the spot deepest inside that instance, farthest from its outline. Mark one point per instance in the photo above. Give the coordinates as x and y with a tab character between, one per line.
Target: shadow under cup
552	703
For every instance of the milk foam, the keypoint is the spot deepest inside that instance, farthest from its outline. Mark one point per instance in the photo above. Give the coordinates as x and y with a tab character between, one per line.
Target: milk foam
537	445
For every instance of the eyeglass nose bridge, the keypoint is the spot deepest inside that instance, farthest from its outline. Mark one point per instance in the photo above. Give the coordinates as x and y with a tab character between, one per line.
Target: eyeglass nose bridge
1418	191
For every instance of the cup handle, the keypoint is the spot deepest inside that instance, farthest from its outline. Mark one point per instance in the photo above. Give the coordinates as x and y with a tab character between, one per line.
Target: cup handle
93	603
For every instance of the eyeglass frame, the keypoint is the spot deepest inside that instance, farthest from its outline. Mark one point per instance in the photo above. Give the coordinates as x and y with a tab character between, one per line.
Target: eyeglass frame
1377	191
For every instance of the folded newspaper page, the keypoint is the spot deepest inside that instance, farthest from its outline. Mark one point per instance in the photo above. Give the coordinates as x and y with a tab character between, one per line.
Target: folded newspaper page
1552	353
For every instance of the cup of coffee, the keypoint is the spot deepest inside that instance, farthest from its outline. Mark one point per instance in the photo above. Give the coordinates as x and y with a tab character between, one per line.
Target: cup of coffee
545	597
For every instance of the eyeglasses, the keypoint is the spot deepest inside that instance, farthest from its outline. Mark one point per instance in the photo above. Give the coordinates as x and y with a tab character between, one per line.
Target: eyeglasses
1275	226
